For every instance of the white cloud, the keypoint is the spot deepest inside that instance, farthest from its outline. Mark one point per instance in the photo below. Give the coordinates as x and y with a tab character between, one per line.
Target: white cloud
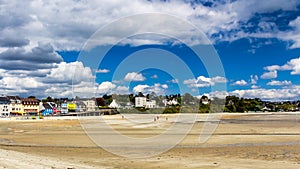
106	87
174	81
72	73
255	87
102	71
269	94
203	81
37	20
269	75
239	83
140	88
157	88
122	90
290	93
279	83
164	86
154	76
253	79
293	65
133	76
293	35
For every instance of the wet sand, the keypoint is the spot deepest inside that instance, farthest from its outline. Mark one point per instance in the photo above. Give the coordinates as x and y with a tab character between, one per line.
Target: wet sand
240	141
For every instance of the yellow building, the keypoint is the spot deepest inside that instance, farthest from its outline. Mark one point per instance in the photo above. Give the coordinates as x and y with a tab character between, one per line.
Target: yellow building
71	107
15	107
30	106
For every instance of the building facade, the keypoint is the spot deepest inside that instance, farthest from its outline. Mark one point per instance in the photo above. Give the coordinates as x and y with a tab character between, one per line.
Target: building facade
90	105
4	106
30	106
140	101
64	108
15	107
150	104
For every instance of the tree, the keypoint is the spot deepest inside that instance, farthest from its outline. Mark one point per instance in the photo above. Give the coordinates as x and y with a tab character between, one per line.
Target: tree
100	102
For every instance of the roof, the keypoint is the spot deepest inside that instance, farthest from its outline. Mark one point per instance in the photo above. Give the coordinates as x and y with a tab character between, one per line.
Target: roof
114	104
14	97
47	106
4	99
30	101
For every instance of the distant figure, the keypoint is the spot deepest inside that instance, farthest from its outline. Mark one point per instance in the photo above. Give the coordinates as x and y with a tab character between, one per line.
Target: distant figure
122	117
154	119
157	117
167	118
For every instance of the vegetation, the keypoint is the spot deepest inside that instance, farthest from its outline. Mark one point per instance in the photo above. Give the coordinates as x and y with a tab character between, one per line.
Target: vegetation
187	103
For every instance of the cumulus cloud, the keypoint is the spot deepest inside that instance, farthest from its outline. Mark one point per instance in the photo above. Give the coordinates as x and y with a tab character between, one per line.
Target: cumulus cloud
203	81
279	83
25	24
106	87
293	65
239	83
269	75
290	93
269	94
13	42
133	76
37	20
294	35
157	88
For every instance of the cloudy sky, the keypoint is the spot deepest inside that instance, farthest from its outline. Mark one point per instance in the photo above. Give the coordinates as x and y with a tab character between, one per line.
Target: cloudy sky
43	43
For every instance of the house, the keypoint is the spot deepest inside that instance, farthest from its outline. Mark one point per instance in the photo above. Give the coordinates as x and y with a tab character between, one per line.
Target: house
71	107
140	101
114	104
15	106
64	108
48	108
4	106
151	104
80	106
172	102
30	106
90	105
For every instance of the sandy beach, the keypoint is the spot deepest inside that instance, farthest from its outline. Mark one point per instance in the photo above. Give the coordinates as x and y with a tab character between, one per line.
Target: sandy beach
250	140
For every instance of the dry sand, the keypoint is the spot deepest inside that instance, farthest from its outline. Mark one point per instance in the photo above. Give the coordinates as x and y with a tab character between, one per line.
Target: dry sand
240	141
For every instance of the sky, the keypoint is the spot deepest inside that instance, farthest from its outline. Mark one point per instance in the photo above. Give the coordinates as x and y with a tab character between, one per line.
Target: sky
90	48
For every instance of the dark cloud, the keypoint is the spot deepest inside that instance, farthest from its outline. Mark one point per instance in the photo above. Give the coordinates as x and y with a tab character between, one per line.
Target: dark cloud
23	65
14	14
41	57
13	42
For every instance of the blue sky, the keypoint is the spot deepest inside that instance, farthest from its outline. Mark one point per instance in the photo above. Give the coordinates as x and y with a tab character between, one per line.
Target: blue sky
43	44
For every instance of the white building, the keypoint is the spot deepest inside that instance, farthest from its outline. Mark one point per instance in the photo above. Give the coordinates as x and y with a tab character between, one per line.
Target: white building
15	107
140	101
4	106
151	104
90	104
172	102
114	104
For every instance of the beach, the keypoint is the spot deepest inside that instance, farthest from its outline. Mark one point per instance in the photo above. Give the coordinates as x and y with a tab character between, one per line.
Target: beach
241	140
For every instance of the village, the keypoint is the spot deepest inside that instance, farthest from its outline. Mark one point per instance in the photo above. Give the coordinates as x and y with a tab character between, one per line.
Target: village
31	106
